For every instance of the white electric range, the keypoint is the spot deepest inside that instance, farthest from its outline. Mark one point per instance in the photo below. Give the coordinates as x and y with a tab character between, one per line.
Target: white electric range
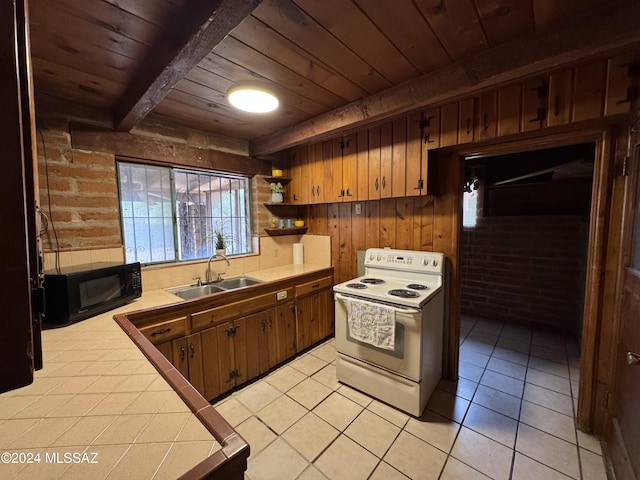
389	327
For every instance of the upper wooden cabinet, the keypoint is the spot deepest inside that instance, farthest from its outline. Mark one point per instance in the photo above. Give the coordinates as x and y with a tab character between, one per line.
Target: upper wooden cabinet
299	172
391	159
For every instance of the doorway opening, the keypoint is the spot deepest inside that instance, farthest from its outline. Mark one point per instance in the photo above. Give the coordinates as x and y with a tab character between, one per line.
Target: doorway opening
525	237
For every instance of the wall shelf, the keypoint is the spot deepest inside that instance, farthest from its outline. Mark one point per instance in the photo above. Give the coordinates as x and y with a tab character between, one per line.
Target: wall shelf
276	232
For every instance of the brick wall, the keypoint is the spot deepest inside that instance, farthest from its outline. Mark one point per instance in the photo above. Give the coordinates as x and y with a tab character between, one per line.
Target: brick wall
77	191
527	270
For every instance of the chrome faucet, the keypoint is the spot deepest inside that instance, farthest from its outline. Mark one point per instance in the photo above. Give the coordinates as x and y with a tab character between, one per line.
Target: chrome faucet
208	272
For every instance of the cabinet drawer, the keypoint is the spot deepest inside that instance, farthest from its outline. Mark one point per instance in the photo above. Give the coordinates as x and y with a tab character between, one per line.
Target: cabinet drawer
311	287
166	330
215	315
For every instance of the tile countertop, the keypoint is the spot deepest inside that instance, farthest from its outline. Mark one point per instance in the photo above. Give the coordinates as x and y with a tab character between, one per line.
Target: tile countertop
100	409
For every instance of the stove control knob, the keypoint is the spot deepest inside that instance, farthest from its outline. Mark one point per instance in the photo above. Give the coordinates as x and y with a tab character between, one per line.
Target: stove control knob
434	263
425	262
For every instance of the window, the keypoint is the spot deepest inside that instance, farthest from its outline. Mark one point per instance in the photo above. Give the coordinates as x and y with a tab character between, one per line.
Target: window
470	208
171	214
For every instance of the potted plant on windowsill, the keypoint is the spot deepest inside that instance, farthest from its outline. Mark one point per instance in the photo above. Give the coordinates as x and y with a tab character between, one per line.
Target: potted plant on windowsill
277	191
220	243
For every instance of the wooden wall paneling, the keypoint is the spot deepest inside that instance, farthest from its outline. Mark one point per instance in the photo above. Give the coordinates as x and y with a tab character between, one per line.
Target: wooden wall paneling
333	154
618	90
405	223
447	221
487	114
399	158
374	176
386	165
589	85
424	230
388	223
560	98
509	109
414	175
449	125
430	141
466	120
534	104
350	167
333	229
362	168
358	233
372	224
346	257
318	218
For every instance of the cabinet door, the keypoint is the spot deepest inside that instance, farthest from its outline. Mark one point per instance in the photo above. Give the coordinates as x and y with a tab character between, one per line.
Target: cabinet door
449	125
245	361
374	164
399	158
210	363
465	121
589	91
283	333
534	104
299	185
619	86
386	166
256	346
304	322
349	167
509	109
226	356
320	173
194	354
414	174
560	95
179	356
326	313
487	114
362	169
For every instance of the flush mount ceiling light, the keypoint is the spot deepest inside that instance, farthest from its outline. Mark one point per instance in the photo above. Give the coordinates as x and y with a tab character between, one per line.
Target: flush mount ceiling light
252	98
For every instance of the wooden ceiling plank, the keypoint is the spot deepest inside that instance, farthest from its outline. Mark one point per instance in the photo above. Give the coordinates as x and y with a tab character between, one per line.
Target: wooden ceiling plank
352	27
276	74
504	20
456	24
272	44
157	12
286	17
200	27
547	13
590	34
46	16
409	32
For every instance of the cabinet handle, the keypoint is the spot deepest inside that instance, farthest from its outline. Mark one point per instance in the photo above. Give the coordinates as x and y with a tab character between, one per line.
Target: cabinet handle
486	122
384	182
341	193
313	191
468	126
556	105
161	332
264	324
376	184
349	193
315	285
183	353
420	184
192	348
270	321
633	358
427	138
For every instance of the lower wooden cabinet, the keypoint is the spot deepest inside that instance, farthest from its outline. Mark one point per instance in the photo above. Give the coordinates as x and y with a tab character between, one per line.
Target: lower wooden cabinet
237	342
314	312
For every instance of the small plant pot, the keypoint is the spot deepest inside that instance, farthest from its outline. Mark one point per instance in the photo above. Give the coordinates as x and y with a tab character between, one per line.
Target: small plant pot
221	252
276	197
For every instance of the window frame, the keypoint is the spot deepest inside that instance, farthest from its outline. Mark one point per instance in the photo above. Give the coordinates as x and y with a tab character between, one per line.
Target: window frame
246	225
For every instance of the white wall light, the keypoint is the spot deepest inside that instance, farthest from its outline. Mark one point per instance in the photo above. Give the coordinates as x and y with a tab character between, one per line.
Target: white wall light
252	98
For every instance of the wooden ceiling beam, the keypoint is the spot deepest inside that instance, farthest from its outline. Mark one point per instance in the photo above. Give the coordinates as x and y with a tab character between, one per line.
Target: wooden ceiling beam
191	37
584	36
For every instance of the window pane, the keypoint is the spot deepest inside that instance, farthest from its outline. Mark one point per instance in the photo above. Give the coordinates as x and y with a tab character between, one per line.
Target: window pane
145	204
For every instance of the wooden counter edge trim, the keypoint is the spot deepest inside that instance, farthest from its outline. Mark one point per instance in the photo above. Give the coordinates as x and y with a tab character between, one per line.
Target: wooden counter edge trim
232	458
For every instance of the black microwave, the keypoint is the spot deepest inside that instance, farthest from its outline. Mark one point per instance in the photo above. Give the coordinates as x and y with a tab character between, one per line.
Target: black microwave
79	292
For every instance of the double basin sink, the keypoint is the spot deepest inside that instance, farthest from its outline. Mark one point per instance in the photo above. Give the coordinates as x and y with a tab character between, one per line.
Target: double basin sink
224	285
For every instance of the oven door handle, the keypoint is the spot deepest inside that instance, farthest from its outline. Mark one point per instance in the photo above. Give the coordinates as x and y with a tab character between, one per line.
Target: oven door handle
410	311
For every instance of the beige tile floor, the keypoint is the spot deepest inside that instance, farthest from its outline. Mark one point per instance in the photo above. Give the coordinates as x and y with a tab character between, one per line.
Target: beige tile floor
511	415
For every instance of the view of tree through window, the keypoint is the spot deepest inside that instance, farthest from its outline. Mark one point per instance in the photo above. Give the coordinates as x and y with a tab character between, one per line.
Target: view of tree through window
172	214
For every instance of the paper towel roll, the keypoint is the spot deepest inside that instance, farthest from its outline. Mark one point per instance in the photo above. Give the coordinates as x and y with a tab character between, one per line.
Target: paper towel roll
298	254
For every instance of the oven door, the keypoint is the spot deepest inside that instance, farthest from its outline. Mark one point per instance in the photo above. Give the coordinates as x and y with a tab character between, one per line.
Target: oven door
404	359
